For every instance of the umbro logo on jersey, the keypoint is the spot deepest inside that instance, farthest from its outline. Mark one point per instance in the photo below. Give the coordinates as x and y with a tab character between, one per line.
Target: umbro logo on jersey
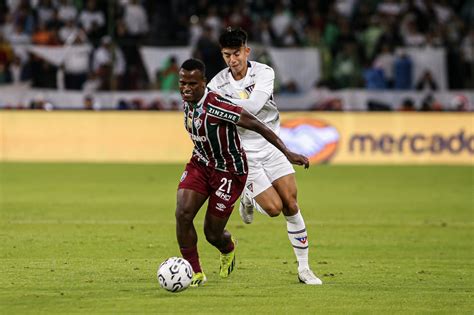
220	206
302	240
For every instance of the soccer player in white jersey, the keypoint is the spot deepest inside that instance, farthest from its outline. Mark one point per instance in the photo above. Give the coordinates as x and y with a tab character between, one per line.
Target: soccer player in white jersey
271	183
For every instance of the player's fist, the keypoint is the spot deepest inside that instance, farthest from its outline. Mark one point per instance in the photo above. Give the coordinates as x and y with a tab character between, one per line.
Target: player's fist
297	159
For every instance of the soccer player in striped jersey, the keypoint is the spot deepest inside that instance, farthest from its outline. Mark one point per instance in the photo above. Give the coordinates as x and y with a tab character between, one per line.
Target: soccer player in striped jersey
271	184
218	167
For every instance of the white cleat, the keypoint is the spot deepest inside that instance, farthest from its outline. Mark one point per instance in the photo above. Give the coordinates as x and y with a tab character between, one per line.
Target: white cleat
306	276
246	209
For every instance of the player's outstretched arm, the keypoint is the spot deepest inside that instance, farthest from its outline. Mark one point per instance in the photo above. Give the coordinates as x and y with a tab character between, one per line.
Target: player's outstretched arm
249	121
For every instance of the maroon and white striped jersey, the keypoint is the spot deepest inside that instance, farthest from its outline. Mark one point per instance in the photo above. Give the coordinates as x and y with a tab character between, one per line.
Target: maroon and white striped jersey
211	124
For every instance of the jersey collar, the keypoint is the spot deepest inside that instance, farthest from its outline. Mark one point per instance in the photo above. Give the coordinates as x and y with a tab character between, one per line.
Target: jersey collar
201	101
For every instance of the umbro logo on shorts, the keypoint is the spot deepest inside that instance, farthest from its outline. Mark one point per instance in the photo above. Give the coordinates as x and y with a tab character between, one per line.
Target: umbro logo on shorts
220	206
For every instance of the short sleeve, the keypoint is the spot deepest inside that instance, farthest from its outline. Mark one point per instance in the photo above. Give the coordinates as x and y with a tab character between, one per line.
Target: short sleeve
264	80
222	109
212	84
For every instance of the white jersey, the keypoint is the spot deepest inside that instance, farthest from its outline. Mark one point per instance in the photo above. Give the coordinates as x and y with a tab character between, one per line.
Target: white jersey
259	77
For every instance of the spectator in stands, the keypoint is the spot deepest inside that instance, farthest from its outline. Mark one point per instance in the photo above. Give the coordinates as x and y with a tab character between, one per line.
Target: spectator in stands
370	36
90	103
167	77
136	19
76	67
92	84
324	98
19	36
371	27
290	38
299	23
213	22
467	51
347	69
264	33
430	103
44	36
411	34
195	30
40	102
5	76
92	21
281	20
20	71
239	16
460	103
23	16
71	33
44	74
407	105
374	77
6	51
208	50
66	11
135	77
427	82
44	11
109	63
385	61
389	7
331	30
8	25
403	72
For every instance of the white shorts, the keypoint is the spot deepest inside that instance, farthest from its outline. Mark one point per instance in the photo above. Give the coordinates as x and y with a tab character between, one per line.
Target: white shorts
266	166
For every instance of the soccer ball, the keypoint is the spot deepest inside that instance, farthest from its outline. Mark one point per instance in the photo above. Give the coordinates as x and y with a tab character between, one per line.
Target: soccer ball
175	274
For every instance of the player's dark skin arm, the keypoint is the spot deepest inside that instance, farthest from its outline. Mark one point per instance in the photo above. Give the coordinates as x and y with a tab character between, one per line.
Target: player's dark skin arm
248	121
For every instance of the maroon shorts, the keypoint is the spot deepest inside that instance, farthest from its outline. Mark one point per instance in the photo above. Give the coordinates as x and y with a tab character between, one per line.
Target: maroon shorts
222	188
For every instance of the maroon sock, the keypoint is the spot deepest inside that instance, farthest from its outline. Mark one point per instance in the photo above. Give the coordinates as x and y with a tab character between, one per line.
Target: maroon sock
229	247
191	255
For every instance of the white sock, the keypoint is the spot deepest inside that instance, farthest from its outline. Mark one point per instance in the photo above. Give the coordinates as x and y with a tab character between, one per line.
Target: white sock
298	238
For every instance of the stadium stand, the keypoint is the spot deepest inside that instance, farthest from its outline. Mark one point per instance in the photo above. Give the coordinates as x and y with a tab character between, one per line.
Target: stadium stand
348	51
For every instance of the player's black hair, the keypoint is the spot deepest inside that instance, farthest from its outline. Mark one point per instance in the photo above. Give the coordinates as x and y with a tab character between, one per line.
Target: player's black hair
194	64
233	38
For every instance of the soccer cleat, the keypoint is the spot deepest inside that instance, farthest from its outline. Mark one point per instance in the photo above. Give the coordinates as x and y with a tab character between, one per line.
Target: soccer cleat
306	276
227	263
198	280
246	209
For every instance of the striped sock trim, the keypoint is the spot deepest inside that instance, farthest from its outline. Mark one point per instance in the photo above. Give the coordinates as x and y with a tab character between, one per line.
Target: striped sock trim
300	247
297	232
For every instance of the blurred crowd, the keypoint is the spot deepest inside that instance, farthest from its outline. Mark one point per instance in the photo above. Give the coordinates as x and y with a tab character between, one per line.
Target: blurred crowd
361	41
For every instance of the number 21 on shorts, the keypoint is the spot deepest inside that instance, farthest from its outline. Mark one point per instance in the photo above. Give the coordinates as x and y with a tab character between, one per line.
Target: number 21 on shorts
225	182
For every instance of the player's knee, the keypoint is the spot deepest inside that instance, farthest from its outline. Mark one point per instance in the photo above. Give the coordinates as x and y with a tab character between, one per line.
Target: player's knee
183	215
290	208
212	238
274	209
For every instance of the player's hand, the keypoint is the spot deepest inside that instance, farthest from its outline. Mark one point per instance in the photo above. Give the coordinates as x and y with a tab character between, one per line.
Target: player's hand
297	159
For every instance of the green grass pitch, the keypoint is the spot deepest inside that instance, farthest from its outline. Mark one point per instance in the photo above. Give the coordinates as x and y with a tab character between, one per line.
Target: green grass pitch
88	238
